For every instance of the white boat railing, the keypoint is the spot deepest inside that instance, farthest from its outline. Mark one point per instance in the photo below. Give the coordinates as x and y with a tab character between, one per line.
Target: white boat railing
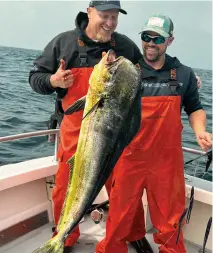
14	137
56	133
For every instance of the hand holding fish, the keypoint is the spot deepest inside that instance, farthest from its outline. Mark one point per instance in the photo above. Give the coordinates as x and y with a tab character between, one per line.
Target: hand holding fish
62	78
103	54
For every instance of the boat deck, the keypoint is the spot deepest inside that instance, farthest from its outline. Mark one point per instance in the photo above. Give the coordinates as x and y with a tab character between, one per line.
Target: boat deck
90	234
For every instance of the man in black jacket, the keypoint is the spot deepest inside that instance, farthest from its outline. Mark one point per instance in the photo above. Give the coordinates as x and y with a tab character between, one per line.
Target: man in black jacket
154	159
65	67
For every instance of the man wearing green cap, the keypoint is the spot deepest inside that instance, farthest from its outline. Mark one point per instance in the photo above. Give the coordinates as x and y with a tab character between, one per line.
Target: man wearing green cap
154	159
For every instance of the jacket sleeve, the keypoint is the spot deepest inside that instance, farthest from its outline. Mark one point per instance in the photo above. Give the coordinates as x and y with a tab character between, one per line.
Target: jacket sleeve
44	66
191	100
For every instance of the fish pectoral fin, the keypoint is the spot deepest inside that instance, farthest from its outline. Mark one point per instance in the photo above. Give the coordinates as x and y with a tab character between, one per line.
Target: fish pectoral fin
71	161
100	102
76	106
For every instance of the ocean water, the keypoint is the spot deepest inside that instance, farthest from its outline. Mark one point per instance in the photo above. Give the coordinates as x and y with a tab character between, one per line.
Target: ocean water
22	110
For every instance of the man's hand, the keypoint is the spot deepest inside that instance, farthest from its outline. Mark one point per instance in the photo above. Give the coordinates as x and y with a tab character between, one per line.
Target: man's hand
103	54
199	82
62	78
204	139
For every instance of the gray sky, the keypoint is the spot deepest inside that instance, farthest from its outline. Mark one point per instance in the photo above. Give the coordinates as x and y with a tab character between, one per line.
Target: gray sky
32	24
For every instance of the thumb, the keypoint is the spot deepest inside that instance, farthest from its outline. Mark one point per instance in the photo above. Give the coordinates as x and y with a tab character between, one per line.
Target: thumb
103	54
62	64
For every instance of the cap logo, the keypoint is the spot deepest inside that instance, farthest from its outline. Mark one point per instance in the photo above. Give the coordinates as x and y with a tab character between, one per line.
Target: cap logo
155	21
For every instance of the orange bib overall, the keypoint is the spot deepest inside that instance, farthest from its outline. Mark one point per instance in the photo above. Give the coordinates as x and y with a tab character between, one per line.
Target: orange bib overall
153	161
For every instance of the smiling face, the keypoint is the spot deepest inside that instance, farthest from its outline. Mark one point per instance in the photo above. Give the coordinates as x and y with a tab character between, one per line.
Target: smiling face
101	24
155	52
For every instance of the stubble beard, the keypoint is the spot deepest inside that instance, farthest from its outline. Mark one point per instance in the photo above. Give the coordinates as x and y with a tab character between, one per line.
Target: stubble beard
102	39
154	58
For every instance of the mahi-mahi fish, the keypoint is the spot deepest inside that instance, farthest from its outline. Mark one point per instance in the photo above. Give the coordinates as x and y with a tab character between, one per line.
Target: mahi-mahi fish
111	119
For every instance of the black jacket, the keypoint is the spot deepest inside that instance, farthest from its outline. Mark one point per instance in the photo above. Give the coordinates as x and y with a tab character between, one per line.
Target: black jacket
156	83
65	46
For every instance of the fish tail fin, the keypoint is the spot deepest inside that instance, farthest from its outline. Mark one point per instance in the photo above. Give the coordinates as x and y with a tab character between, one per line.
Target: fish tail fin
54	245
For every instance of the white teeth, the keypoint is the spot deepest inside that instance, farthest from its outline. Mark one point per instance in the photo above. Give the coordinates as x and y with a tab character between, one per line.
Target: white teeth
106	29
151	49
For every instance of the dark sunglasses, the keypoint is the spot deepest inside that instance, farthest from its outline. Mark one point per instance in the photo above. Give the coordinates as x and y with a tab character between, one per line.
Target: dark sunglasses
156	39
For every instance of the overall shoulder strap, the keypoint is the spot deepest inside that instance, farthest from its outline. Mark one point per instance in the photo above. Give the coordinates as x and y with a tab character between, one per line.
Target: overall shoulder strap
173	83
82	53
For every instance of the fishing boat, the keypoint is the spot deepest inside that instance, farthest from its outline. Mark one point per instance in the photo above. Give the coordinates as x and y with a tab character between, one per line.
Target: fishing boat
26	216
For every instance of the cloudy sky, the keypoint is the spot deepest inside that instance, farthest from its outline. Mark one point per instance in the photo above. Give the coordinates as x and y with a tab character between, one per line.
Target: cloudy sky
32	24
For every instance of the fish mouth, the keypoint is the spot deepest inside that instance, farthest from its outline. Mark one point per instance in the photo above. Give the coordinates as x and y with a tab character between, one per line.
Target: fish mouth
111	57
112	62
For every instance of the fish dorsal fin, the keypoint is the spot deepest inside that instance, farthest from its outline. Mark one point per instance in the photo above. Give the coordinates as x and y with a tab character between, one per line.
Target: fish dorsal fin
100	101
76	106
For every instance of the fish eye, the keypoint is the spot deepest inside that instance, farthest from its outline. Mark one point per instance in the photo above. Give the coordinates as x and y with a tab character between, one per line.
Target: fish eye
111	71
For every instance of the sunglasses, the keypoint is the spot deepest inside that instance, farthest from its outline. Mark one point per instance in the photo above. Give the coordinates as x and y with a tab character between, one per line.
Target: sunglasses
156	39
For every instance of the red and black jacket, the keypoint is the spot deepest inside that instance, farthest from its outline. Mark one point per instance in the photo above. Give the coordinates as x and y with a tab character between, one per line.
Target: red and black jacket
78	51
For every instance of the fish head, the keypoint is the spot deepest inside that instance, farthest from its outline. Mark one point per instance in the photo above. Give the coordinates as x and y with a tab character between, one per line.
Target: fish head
104	71
119	71
123	77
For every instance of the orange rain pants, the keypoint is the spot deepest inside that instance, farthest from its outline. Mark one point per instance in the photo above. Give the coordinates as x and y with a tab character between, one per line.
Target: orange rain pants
153	161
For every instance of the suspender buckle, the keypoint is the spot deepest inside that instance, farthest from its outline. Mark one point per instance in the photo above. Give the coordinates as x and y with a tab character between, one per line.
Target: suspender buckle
173	85
83	59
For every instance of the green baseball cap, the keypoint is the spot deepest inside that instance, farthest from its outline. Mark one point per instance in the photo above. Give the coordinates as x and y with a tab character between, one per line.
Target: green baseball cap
160	24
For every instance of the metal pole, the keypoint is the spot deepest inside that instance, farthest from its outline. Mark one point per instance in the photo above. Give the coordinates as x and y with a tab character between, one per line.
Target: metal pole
28	135
56	146
56	132
194	151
